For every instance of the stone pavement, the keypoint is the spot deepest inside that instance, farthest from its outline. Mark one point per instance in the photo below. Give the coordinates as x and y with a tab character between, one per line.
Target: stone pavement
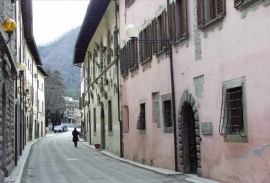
16	174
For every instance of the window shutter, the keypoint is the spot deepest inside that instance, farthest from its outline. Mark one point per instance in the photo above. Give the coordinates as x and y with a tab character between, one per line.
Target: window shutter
121	61
163	25
154	35
149	45
141	47
171	15
157	112
184	19
134	54
220	8
200	13
237	3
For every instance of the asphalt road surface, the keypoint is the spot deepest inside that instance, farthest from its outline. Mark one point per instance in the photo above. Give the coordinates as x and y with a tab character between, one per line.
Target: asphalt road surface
56	160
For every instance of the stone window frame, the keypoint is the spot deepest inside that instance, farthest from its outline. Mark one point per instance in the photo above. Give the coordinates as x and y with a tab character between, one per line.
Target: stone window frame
163	99
156	108
246	6
233	84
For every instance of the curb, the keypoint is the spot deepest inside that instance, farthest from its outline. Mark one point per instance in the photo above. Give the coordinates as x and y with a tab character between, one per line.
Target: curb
147	167
191	178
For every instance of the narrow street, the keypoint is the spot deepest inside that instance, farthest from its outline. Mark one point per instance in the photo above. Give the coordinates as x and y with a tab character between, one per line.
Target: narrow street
55	159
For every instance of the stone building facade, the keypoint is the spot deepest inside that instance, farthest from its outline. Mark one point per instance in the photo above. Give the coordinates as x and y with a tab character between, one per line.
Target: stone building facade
7	103
95	51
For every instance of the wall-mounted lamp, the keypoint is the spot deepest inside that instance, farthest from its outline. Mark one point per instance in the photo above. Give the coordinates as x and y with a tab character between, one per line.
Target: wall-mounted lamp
133	32
21	68
9	27
26	88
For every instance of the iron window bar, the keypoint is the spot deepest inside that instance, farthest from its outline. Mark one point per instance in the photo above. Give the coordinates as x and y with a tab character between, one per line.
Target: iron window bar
231	112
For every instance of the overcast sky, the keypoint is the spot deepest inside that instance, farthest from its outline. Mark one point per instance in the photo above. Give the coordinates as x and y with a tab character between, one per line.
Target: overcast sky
52	18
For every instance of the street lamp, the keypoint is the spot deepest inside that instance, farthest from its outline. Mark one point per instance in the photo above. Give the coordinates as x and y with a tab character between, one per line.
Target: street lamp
9	27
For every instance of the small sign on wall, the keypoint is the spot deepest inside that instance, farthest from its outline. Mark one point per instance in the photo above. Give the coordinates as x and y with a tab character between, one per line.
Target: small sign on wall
207	128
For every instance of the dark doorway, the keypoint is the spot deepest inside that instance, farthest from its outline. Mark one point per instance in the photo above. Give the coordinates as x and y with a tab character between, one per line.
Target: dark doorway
102	129
4	126
191	152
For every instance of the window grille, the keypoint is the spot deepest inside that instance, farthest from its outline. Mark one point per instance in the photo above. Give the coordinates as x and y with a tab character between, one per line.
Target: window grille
110	115
231	119
141	118
168	113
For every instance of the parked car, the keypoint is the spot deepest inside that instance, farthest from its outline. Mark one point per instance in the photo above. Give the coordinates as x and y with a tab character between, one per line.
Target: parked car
64	128
57	129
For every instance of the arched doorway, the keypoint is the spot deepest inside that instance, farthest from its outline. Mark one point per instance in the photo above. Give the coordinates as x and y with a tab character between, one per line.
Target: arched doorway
188	135
4	126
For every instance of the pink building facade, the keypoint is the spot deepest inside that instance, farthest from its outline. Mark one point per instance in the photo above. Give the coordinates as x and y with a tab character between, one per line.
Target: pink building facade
204	108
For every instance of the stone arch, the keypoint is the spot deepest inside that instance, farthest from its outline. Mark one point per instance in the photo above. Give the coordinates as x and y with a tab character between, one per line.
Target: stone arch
3	127
187	99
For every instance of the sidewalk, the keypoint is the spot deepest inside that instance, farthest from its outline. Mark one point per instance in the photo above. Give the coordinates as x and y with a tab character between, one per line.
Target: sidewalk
191	178
16	174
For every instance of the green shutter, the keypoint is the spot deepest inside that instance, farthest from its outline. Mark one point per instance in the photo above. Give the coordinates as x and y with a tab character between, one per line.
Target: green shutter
200	21
221	9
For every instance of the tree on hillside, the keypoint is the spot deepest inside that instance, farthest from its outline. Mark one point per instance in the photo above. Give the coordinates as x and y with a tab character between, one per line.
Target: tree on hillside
54	101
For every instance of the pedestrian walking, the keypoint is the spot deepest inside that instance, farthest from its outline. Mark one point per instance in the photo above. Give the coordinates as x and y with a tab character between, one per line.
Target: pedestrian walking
75	138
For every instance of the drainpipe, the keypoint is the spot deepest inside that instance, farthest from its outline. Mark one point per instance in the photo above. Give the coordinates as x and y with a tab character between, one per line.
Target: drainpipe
172	88
118	93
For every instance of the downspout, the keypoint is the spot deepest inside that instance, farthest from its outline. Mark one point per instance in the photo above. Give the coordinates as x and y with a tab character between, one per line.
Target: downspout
172	88
118	93
16	99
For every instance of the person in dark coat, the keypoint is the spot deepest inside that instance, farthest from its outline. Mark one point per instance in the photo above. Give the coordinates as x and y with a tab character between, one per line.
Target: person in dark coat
75	139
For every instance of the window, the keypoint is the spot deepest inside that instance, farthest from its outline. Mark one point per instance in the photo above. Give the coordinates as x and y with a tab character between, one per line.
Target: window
178	20
42	107
133	52
233	120
94	64
141	118
115	46
167	113
95	123
161	31
129	58
128	2
209	10
110	115
145	46
109	51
